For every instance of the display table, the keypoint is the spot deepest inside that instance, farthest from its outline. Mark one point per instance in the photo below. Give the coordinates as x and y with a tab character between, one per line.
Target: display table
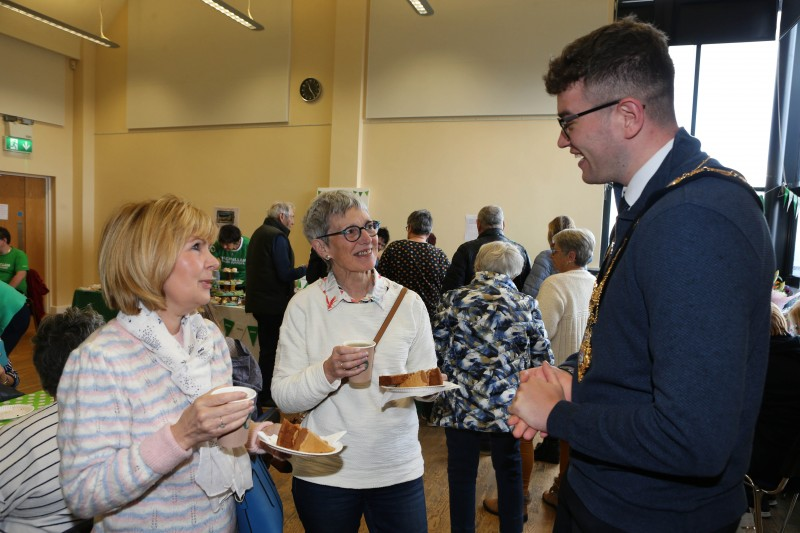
36	399
84	296
239	325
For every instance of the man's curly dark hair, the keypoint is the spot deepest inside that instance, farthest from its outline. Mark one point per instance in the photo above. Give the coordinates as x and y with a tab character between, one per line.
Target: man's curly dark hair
229	234
56	336
626	58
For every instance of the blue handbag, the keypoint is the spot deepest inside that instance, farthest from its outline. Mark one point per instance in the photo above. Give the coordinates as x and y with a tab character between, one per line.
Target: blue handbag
261	509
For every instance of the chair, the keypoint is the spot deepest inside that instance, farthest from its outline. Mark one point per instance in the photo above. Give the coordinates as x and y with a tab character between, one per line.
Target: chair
36	292
790	476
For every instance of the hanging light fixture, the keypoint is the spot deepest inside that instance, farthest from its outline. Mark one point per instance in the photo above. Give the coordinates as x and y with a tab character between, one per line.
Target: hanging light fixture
101	40
230	11
422	7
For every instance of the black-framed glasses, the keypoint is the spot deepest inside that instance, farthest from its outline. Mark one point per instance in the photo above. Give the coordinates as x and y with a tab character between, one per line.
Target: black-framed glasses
353	233
565	121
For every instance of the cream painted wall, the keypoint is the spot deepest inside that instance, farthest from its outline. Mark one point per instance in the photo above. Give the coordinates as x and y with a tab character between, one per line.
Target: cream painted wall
236	166
455	168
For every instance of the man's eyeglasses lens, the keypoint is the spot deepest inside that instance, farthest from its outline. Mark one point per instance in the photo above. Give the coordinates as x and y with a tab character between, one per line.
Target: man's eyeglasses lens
566	120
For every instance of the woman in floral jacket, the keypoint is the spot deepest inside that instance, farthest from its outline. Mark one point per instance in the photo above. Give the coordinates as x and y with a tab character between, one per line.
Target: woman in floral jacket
485	333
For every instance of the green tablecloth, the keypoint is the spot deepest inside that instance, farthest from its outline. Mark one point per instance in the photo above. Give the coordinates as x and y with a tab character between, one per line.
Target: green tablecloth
36	399
84	296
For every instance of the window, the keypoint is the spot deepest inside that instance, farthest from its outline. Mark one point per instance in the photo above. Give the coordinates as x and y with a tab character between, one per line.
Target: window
735	94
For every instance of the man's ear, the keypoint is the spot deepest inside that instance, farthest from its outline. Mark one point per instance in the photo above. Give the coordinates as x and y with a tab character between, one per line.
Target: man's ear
633	113
321	248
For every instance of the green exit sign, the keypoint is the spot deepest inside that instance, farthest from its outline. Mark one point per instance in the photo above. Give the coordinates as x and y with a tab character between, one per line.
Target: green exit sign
15	144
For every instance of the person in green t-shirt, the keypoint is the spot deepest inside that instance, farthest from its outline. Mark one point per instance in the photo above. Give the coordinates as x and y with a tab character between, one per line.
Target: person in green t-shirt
13	263
231	250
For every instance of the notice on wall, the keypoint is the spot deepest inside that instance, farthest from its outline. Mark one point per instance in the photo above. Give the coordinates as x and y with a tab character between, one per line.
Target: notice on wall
3	211
470	227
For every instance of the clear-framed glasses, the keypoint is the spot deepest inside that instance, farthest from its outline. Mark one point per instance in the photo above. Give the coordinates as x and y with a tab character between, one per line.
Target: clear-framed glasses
566	120
353	233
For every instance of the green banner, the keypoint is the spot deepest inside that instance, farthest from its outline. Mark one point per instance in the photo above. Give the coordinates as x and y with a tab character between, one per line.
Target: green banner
253	332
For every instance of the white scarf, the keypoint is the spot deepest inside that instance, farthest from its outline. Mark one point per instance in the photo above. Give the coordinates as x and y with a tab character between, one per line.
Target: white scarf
220	472
189	363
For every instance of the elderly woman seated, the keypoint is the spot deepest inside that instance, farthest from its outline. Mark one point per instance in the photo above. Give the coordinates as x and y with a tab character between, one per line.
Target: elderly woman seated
485	334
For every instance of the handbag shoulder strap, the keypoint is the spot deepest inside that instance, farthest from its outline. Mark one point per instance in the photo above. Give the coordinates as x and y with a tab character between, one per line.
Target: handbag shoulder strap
389	317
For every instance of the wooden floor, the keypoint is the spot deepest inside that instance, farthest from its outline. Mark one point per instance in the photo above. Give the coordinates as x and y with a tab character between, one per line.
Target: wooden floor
540	515
434	450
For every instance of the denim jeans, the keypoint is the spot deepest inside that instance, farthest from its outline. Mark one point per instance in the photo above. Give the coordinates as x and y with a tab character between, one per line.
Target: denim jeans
463	453
396	508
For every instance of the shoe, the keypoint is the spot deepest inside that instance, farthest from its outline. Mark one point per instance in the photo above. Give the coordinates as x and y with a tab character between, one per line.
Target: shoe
551	496
772	500
547	451
490	504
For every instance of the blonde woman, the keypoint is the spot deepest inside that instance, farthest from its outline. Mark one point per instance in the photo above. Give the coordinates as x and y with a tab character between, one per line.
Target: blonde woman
138	426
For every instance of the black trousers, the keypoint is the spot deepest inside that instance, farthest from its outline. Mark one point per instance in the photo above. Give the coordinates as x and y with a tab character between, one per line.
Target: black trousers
269	327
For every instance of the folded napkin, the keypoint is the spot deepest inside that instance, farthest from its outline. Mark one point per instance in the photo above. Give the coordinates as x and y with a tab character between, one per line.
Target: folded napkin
223	472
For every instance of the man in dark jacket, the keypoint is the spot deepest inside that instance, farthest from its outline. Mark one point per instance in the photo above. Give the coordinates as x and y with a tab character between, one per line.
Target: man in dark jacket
660	413
490	228
270	285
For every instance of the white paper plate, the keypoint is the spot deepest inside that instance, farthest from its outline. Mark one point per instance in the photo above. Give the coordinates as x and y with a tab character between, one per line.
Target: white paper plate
422	391
7	412
334	440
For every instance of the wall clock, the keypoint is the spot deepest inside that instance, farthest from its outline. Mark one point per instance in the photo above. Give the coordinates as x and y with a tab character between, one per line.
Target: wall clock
310	89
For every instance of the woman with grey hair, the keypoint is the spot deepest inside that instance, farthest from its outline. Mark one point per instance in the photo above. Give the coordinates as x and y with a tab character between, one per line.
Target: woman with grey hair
416	264
486	333
543	263
564	297
378	474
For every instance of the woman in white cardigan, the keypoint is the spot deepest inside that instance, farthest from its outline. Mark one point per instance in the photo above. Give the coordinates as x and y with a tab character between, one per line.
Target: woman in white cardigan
378	474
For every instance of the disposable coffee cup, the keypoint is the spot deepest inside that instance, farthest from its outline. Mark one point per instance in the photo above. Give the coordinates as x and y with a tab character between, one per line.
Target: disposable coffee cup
238	436
362	380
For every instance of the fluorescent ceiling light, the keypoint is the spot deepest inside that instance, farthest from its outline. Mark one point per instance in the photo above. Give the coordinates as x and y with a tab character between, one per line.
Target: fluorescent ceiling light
235	14
422	6
102	41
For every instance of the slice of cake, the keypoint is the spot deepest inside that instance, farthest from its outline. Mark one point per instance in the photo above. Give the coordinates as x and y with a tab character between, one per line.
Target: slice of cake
294	437
287	435
420	378
307	441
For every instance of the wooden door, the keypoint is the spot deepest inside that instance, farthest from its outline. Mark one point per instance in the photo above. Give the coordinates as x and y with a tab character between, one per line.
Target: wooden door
26	198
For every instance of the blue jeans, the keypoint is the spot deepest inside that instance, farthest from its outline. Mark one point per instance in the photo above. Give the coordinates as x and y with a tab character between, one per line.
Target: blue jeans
463	453
396	508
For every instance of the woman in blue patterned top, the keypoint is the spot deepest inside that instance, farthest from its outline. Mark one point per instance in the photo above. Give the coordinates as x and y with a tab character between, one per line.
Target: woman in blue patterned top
485	334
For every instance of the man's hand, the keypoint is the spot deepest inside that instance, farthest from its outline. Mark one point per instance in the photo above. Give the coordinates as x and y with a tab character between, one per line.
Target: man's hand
540	389
563	377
